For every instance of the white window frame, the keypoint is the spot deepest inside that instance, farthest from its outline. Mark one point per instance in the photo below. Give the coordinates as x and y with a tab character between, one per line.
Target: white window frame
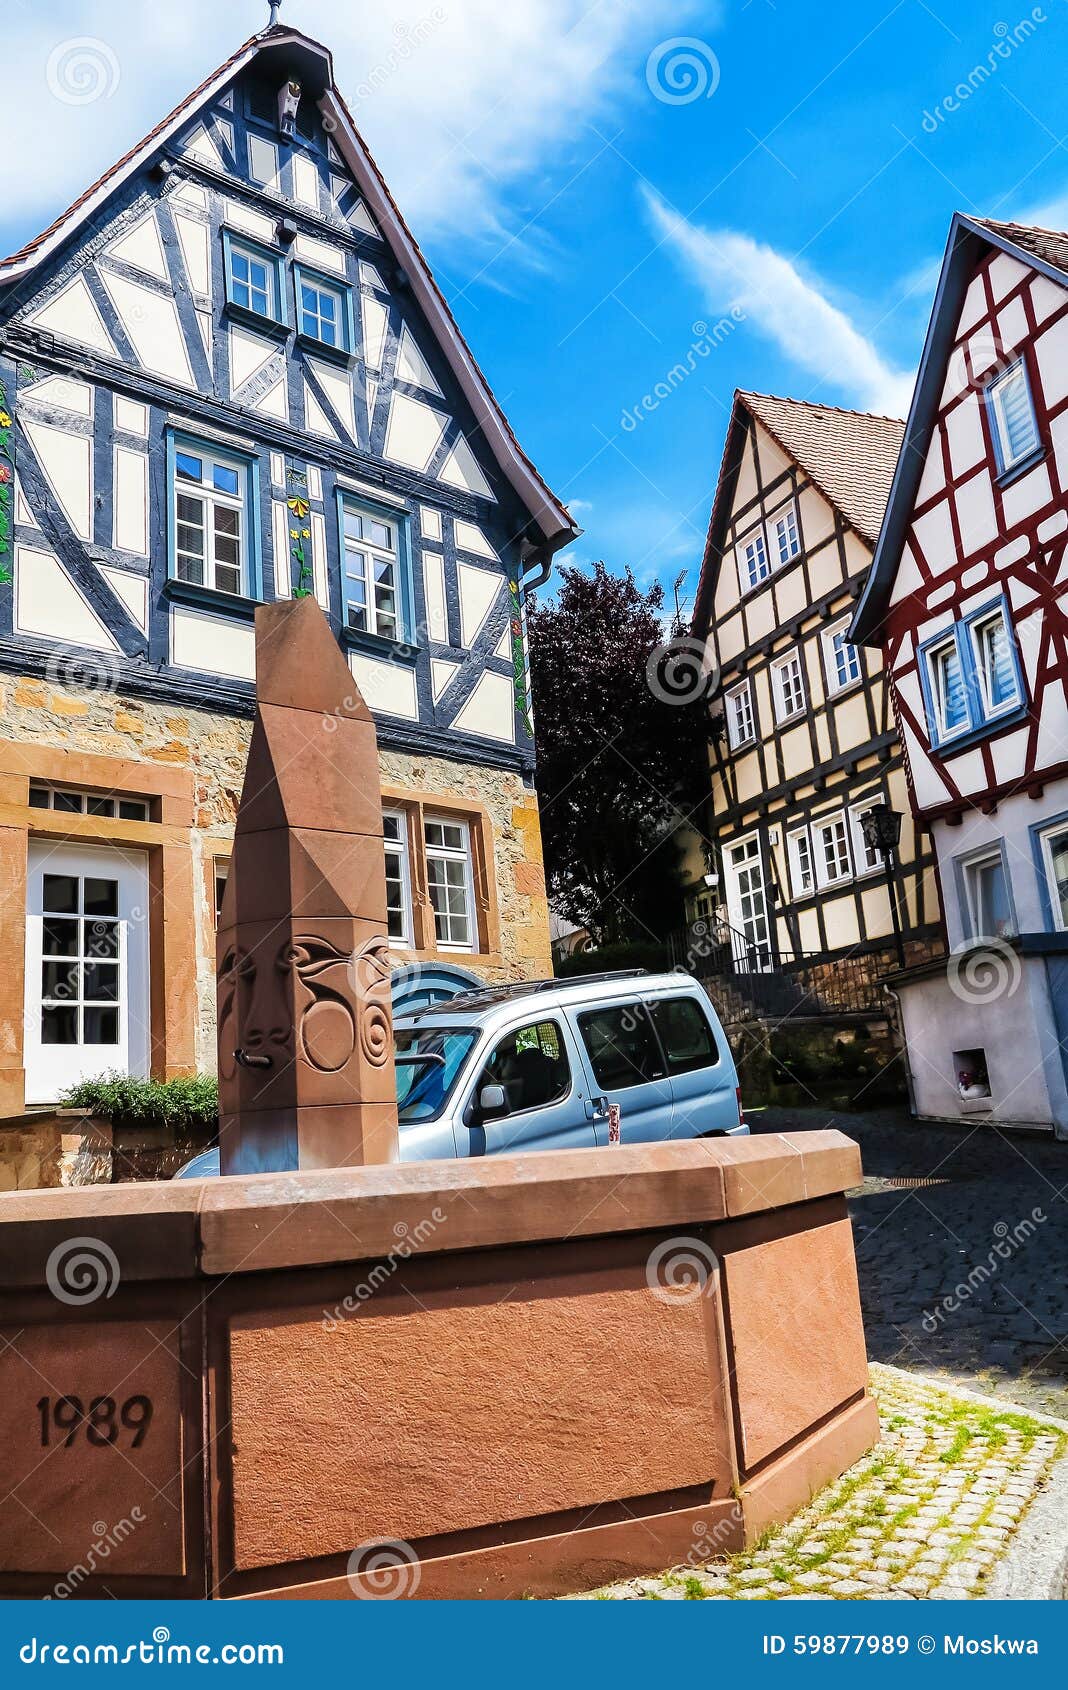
791	660
968	871
321	290
994	393
820	826
372	553
862	854
799	869
210	499
755	539
449	853
785	514
1045	839
930	656
992	711
252	256
399	848
830	665
742	690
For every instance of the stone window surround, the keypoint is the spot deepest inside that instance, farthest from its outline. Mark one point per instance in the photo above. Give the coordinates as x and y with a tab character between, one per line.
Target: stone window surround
166	842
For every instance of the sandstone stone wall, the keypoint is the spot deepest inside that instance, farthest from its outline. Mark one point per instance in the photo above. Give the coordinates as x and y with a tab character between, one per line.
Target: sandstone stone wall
89	718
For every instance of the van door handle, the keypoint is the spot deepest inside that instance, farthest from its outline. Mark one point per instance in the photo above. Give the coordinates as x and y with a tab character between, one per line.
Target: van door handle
596	1108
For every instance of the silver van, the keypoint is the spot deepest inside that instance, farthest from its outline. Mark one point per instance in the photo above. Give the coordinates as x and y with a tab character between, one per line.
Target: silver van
559	1065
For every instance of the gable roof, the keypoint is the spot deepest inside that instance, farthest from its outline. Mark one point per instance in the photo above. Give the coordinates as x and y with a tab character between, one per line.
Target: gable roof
1044	250
554	522
849	456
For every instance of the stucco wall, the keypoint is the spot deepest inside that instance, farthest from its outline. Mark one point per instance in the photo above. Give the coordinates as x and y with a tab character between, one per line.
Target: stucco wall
90	719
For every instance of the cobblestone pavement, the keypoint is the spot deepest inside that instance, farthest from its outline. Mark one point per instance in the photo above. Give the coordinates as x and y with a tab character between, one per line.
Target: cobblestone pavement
962	1251
926	1514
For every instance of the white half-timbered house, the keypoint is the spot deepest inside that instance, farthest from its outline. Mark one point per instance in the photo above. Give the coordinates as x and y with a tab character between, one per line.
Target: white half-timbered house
227	376
966	601
806	744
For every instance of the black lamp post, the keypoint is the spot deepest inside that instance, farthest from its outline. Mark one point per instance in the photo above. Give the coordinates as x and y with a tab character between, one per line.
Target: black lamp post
881	827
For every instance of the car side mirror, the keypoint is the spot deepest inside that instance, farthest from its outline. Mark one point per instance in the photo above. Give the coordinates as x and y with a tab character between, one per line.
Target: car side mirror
492	1100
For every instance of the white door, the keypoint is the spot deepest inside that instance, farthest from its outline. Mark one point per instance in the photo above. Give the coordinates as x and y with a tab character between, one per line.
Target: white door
87	991
747	906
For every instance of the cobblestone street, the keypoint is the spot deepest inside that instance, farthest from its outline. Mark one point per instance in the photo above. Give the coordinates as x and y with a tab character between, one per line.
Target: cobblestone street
962	1250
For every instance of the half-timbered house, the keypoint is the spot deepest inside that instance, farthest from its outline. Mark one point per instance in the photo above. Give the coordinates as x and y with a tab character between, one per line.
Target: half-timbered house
804	744
965	599
227	376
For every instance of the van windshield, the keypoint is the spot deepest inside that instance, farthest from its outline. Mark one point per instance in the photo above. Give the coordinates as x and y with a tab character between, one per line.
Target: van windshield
424	1088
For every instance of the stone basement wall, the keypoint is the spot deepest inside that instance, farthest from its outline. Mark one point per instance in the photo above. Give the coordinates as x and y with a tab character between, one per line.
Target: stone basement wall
214	747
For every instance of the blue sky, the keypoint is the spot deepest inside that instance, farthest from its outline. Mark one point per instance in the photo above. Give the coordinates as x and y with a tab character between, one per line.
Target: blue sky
757	193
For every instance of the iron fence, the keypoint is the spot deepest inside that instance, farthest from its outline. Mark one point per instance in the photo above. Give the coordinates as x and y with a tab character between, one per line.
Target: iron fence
749	980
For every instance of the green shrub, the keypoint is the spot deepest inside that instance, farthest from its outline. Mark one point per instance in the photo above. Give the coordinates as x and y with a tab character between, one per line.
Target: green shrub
186	1105
641	953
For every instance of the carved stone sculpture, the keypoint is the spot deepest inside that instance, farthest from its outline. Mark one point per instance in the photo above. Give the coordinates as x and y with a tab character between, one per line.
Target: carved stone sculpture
306	1077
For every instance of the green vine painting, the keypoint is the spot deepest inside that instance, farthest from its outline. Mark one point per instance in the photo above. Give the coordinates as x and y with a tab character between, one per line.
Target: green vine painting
519	658
300	534
7	487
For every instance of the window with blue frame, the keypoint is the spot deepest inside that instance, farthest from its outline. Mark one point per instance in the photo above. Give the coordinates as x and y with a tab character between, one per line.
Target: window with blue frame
324	309
1013	424
212	517
371	553
255	279
971	676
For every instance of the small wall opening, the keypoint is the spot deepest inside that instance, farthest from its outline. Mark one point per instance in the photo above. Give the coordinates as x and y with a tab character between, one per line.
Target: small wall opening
970	1073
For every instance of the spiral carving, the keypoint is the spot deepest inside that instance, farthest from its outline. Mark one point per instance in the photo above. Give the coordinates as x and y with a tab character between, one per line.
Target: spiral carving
371	971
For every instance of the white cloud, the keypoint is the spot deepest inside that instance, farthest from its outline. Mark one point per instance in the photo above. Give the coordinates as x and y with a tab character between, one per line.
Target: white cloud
788	307
459	99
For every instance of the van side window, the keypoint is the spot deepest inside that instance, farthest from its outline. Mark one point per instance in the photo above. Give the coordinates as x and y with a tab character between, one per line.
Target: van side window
687	1038
622	1046
531	1064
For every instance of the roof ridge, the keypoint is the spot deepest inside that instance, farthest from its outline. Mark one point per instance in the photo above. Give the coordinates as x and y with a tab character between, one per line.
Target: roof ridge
1013	223
817	405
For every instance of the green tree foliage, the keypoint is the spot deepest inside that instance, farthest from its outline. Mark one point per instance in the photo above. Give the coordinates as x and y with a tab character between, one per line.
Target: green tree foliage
619	768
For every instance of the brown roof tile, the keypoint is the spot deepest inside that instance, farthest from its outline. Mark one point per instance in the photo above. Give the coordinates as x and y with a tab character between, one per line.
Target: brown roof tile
850	455
1048	244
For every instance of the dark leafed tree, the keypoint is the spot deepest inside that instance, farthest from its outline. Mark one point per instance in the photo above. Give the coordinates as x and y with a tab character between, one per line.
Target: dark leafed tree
621	764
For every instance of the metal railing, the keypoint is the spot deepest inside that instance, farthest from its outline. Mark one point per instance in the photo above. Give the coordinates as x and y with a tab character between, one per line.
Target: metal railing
751	980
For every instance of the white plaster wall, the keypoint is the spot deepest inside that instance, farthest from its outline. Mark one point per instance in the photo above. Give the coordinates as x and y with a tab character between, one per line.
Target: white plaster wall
1011	822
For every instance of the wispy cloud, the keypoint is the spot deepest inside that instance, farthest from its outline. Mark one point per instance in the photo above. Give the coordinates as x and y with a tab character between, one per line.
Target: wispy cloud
461	100
787	306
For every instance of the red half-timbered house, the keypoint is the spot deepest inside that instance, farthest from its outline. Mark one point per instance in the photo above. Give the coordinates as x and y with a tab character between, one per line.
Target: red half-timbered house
966	600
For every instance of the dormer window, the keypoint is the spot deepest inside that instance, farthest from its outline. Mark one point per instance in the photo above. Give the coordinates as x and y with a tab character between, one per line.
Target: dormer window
1012	417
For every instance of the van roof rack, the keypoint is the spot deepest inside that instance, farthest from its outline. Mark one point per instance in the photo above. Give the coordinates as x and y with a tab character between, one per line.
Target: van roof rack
485	995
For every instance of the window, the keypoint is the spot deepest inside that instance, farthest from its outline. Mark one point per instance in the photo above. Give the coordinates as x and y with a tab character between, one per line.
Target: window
210	497
448	875
988	908
88	803
1055	861
754	566
740	725
80	960
867	857
370	546
531	1064
840	659
788	686
786	541
831	841
685	1036
994	664
424	1088
398	884
1012	416
255	278
622	1046
221	873
970	675
324	310
802	875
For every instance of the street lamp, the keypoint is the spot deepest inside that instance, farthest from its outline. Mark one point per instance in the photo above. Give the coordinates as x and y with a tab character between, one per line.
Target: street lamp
881	827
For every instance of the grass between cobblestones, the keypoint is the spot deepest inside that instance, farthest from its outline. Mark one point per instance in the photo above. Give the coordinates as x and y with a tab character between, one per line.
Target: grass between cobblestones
926	1513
